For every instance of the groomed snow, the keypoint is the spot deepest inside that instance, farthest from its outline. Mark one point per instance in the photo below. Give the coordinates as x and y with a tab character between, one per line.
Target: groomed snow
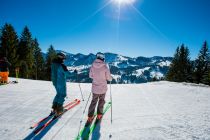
151	111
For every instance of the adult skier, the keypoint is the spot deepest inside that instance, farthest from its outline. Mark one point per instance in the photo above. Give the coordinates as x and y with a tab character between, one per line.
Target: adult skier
59	74
4	70
100	74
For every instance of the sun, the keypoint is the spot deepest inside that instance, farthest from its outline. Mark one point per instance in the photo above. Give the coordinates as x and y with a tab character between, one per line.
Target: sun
124	1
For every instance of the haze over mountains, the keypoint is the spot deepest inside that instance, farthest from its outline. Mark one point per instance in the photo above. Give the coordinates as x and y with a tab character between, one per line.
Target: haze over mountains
124	69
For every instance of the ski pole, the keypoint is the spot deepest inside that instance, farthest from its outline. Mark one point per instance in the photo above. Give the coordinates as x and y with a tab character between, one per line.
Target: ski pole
81	92
83	115
110	93
111	99
79	85
110	135
87	103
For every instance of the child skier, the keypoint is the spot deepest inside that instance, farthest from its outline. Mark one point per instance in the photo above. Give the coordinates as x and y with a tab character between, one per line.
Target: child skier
59	74
100	73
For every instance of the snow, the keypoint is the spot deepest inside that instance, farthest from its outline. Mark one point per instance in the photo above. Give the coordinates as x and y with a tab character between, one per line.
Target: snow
116	64
122	58
116	77
151	111
164	63
156	74
139	72
79	68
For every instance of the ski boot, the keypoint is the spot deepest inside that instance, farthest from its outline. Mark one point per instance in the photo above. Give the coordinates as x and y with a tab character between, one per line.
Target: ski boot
54	108
59	110
99	116
89	121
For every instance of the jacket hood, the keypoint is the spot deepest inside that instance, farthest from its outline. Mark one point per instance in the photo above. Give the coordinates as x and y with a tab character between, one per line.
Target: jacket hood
98	63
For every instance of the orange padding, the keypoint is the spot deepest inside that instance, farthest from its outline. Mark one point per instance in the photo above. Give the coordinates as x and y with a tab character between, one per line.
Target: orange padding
4	77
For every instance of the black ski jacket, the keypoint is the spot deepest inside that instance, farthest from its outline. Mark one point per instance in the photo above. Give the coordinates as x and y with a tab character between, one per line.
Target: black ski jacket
4	65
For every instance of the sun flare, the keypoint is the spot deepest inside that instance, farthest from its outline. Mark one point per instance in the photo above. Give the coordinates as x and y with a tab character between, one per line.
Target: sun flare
124	1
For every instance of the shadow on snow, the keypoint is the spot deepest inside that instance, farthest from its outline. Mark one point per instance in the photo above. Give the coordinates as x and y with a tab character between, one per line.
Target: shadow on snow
42	133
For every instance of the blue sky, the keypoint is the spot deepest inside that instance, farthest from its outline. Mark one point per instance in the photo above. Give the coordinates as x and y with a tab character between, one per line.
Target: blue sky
143	28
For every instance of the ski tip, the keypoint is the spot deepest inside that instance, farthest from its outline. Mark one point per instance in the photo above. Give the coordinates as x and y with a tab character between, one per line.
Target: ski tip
31	127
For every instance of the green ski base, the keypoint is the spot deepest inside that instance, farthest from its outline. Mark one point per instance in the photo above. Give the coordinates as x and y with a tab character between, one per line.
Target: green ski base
85	136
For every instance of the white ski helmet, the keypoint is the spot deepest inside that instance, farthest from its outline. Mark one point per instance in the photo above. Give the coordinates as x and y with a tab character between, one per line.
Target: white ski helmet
100	56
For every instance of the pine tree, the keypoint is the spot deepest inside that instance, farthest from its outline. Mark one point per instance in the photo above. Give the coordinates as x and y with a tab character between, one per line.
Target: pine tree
38	61
0	40
201	65
171	74
181	66
206	76
51	54
9	45
185	67
1	49
26	51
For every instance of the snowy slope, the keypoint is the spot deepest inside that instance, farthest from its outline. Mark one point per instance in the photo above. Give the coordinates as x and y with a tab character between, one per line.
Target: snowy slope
157	111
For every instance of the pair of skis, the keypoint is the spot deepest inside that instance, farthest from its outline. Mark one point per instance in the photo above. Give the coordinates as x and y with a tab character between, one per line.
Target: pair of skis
10	82
86	131
53	117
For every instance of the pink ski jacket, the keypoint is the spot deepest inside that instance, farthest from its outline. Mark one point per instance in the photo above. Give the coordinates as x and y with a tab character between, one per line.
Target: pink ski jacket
100	73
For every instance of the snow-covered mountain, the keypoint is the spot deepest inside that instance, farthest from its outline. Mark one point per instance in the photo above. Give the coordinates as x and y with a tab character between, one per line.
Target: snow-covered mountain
124	69
150	111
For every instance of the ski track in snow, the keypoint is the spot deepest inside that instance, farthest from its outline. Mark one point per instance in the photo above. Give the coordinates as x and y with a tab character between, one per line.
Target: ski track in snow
150	111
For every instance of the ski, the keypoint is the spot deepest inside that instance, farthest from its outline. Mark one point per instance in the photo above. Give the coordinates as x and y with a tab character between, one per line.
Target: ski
56	117
10	82
93	126
51	115
85	132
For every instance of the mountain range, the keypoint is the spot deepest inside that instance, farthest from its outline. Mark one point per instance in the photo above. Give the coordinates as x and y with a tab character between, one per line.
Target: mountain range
123	69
